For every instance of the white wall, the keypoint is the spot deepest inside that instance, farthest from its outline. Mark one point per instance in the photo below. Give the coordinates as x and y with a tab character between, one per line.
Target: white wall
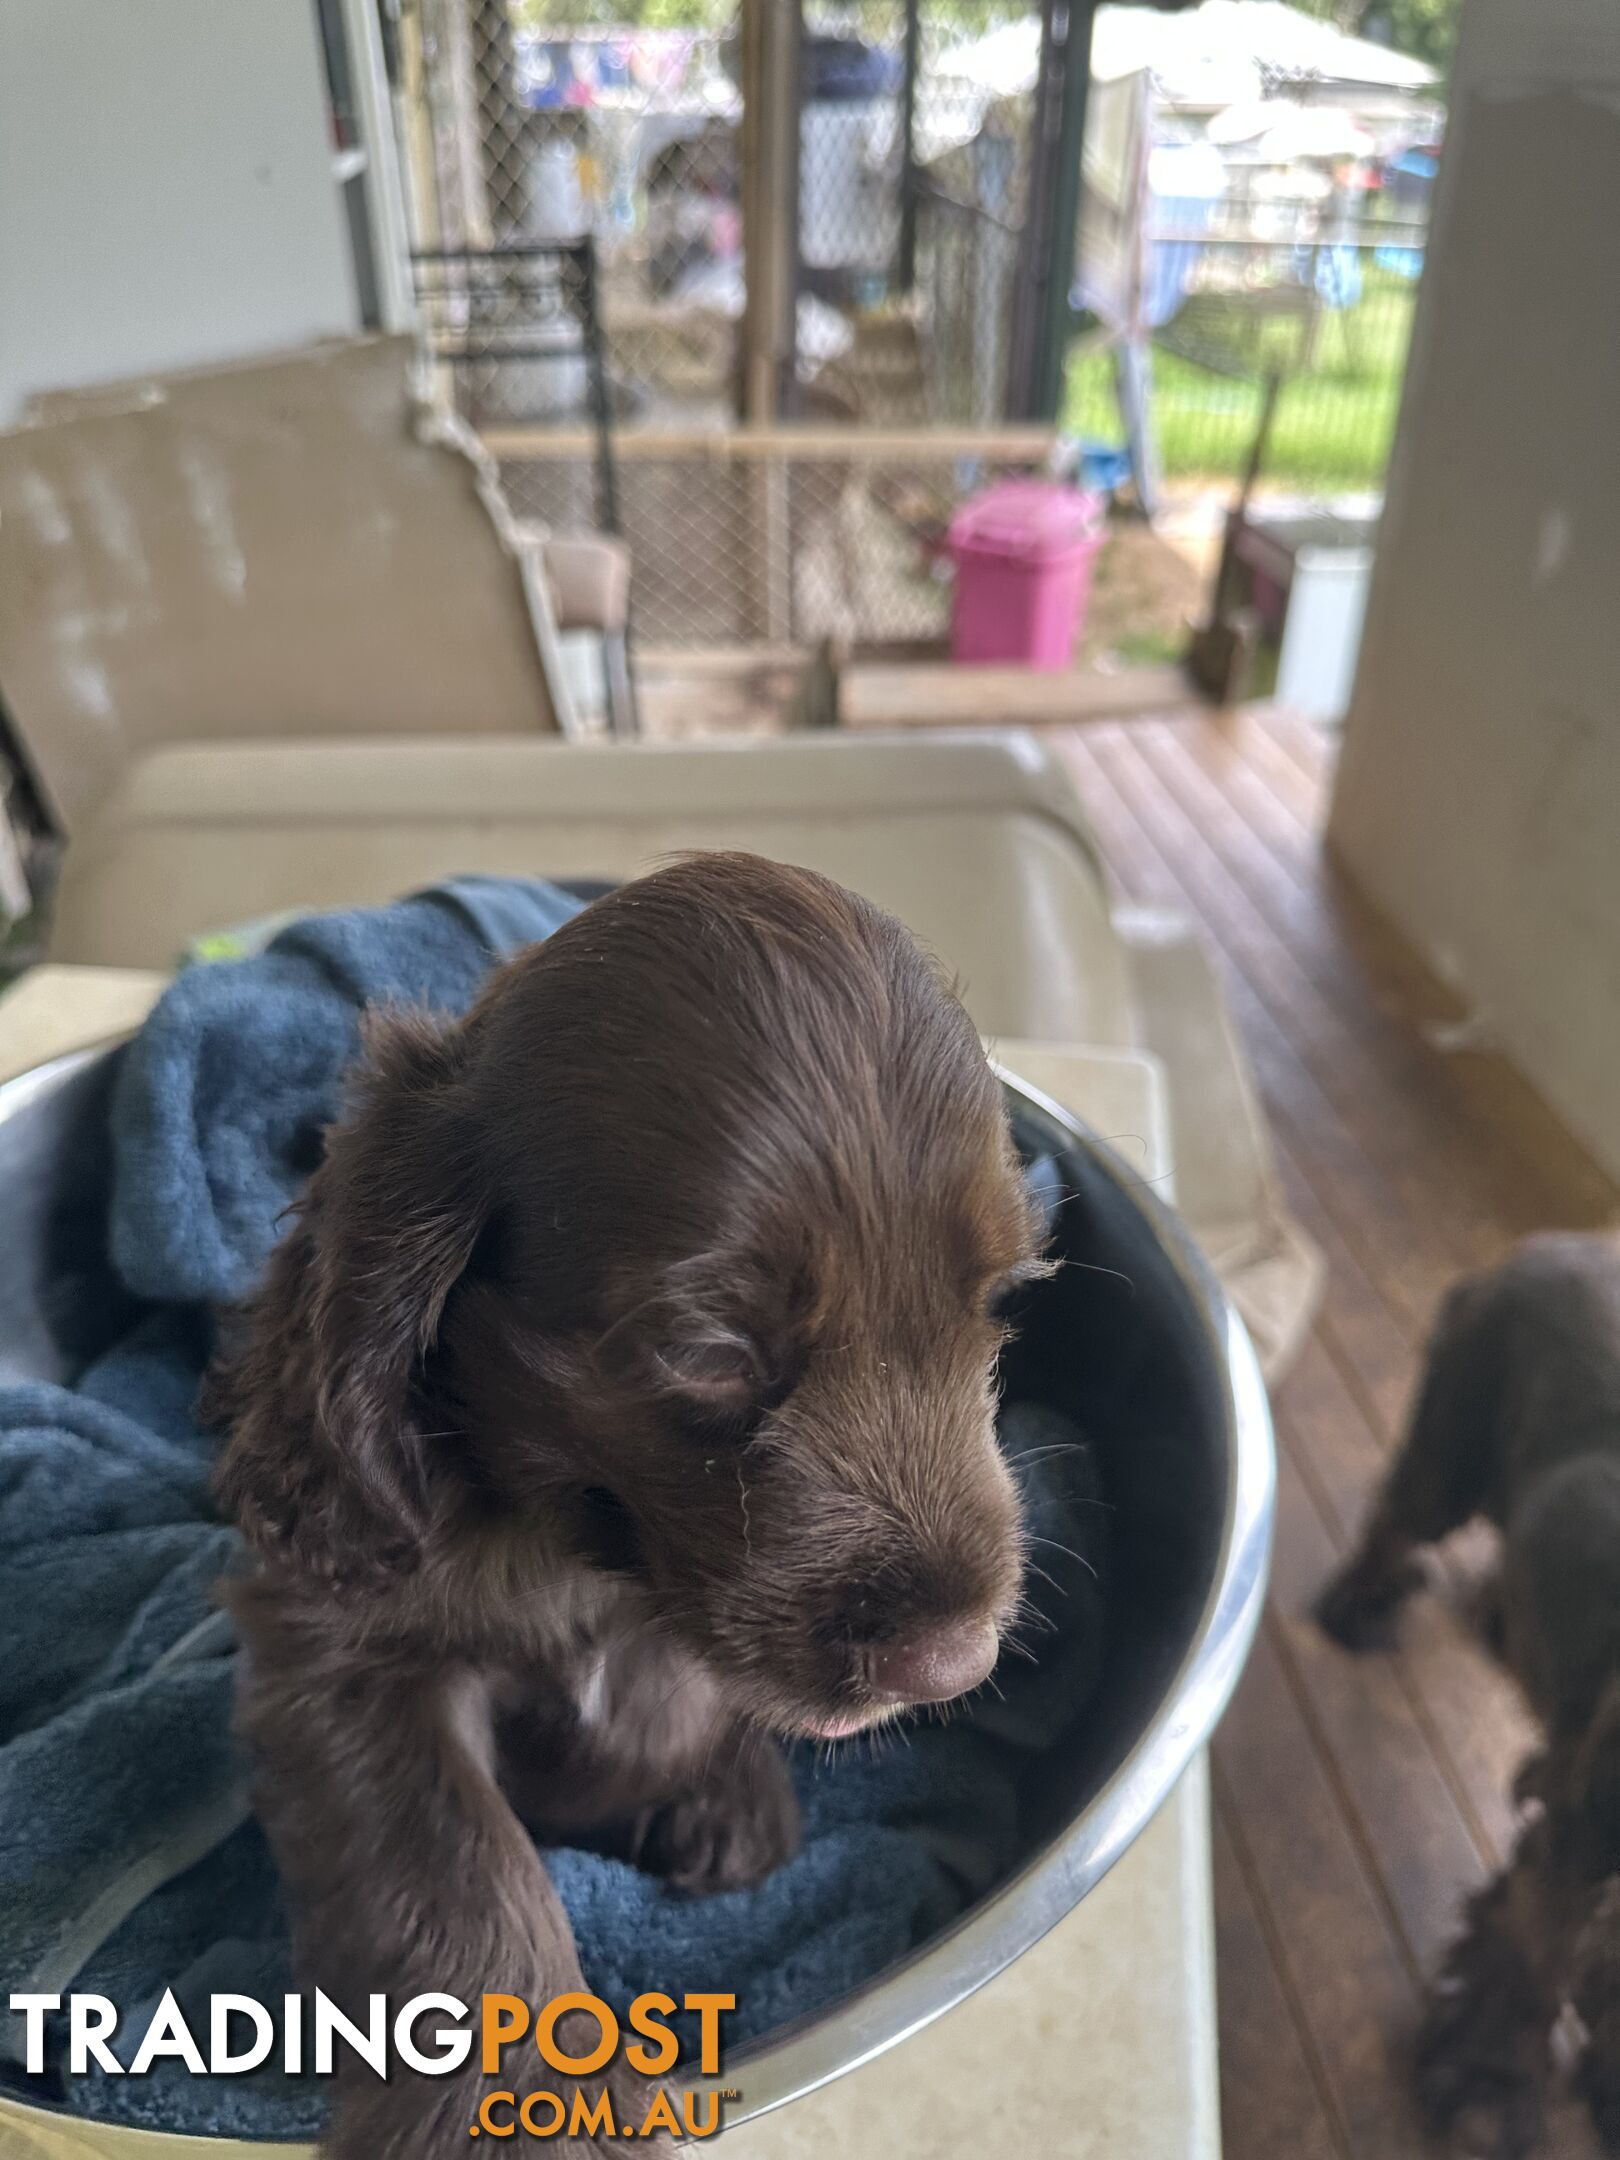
1478	800
166	197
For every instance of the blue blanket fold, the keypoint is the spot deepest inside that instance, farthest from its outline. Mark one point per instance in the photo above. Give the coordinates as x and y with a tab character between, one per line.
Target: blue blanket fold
129	1862
220	1105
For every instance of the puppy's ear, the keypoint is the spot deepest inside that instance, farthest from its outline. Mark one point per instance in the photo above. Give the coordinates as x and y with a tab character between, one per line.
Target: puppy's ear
326	1457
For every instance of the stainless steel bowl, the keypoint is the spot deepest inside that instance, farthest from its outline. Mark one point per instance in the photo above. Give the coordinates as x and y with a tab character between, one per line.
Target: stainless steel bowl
1137	1342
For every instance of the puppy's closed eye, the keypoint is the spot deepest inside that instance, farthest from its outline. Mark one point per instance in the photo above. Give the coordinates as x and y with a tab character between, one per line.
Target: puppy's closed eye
1004	1298
719	1387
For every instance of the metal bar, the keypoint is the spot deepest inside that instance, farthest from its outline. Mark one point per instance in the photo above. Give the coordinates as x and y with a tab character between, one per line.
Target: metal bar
906	265
606	478
1055	318
573	251
624	720
1133	378
384	186
836	445
1033	250
1169	236
413	106
770	198
474	351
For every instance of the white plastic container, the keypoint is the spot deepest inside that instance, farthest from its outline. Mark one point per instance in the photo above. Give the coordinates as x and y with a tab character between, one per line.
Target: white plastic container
1316	666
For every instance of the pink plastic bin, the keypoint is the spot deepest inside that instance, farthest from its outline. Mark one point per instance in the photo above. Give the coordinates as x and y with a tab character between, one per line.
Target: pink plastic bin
1024	552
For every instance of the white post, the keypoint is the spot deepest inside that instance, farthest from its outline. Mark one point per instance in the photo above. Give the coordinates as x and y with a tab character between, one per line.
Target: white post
384	183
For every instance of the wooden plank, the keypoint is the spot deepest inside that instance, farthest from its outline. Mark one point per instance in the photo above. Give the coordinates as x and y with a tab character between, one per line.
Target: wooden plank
1341	1957
1478	1727
1405	1192
833	445
941	694
1384	1273
1277	770
1312	750
1475	1710
1420	1843
1359	1311
1376	1072
1274	2100
1242	741
1353	1192
1483	1079
1369	1345
699	663
1381	988
1358	1799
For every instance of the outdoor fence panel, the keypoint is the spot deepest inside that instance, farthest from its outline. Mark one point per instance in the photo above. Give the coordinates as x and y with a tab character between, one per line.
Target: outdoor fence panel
785	540
526	123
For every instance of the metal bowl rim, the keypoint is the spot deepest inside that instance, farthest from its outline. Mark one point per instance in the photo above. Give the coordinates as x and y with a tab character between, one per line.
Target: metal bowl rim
1012	1918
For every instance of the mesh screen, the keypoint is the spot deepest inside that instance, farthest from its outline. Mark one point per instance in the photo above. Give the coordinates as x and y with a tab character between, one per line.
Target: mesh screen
736	548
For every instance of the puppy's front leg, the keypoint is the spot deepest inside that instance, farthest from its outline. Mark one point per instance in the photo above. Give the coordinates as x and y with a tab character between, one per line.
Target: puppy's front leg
407	1870
1595	1992
1447	1462
1483	2052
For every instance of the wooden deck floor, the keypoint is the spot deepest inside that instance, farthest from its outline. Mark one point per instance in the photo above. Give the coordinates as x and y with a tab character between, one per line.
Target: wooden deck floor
1356	1801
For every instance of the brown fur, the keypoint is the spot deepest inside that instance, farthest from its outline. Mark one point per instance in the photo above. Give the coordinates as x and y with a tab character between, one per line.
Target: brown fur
620	1398
1518	1420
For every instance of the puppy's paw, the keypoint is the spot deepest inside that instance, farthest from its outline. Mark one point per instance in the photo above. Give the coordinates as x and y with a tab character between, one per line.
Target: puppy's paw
1480	2110
1599	2086
1359	1609
1480	2090
1502	2126
1597	2004
728	1834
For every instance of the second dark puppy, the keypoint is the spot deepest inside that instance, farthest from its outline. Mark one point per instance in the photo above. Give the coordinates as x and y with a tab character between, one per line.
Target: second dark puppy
1521	1377
1518	1420
620	1401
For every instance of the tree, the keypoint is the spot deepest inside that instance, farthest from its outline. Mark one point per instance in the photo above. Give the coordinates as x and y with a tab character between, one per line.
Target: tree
1427	29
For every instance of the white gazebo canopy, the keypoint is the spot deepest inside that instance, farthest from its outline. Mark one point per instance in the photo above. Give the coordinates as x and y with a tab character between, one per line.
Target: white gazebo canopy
1210	55
1216	54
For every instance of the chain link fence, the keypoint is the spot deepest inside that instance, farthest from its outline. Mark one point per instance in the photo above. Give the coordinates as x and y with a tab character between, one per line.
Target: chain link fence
911	198
532	122
1290	255
765	541
533	127
1339	356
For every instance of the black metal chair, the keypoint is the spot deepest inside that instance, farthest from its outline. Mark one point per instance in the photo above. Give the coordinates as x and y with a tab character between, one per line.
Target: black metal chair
514	324
519	329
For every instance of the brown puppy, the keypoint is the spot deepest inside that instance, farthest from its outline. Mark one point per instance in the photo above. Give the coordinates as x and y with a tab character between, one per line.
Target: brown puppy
1518	1419
620	1399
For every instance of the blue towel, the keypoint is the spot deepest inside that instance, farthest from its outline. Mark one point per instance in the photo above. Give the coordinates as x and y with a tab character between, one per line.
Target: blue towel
222	1099
129	1861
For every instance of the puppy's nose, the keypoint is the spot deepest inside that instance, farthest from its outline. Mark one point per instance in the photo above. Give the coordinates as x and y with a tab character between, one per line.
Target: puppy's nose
944	1660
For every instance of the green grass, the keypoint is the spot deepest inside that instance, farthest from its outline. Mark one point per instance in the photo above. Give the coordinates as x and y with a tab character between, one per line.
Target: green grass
1149	648
1335	412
